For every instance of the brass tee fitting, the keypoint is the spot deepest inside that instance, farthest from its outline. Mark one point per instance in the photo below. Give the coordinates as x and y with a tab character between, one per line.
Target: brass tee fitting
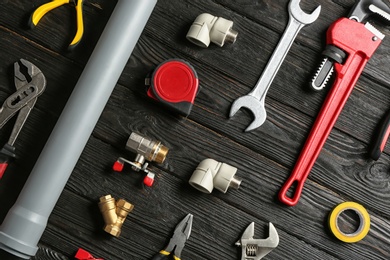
114	213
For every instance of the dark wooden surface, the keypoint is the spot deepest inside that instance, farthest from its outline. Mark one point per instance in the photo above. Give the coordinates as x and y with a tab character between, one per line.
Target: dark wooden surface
264	157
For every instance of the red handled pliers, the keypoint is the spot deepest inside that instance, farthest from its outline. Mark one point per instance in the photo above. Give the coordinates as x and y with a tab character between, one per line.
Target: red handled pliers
30	83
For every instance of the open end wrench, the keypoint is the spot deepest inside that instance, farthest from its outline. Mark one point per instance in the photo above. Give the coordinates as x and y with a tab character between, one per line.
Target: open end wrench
254	101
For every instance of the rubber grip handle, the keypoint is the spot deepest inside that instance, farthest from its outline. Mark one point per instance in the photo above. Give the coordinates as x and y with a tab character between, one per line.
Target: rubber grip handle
44	9
381	139
80	25
6	154
160	256
3	167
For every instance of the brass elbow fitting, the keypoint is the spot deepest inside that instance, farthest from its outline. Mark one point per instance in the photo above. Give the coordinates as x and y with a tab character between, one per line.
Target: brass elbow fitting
114	213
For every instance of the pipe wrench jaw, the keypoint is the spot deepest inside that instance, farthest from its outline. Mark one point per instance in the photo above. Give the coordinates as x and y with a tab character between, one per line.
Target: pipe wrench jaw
365	8
338	47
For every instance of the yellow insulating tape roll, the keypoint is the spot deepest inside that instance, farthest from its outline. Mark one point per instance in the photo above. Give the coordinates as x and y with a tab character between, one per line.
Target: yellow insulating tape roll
363	228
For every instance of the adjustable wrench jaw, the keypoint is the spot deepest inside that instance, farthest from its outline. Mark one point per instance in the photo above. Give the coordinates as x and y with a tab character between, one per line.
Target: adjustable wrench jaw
255	249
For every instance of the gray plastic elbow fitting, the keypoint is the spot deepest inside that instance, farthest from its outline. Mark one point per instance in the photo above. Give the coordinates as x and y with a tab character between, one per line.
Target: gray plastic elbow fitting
212	174
207	27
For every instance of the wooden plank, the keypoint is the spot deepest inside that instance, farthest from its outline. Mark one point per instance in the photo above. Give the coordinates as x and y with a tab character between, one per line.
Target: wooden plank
260	201
264	158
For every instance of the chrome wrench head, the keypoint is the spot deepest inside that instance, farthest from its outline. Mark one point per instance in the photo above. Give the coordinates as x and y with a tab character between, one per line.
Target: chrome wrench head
255	249
300	16
255	106
254	101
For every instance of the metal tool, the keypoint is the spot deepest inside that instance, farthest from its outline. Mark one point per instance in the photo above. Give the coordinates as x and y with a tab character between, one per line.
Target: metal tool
176	243
381	137
45	8
30	83
359	42
254	101
255	249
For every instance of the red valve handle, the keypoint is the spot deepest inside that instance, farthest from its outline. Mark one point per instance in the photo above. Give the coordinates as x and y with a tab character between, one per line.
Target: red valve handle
85	255
359	43
149	179
118	166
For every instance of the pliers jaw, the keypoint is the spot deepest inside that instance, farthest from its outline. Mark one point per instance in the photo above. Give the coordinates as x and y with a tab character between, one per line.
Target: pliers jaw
25	72
180	236
30	83
176	243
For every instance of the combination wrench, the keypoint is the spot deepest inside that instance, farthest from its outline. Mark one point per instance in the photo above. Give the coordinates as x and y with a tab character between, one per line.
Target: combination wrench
254	101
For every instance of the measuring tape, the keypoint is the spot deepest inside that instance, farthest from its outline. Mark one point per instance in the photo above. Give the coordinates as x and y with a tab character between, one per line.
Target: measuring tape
175	84
363	228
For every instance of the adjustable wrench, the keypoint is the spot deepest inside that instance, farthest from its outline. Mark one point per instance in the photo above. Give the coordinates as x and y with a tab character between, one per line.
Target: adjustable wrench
256	249
254	101
356	42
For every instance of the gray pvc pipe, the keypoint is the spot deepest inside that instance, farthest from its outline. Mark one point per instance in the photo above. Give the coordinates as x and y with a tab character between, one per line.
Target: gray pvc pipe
25	222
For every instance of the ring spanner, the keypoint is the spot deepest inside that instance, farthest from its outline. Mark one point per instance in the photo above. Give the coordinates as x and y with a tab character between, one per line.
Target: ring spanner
254	101
359	42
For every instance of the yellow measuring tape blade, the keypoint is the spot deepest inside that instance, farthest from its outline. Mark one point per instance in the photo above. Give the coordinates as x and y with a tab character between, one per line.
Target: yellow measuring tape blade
364	226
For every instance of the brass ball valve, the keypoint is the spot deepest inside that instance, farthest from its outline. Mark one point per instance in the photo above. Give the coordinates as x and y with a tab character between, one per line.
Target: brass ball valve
147	150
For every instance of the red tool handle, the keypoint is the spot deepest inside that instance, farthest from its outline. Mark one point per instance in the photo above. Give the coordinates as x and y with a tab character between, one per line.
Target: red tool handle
359	44
7	153
381	138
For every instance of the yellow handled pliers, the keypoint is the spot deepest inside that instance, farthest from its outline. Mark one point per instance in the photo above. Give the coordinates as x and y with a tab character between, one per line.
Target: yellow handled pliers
45	8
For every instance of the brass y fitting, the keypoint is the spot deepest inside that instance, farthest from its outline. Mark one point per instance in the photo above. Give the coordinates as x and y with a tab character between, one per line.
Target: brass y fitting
114	213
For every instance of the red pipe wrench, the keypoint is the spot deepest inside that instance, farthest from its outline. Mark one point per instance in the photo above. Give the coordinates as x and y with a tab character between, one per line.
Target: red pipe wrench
350	45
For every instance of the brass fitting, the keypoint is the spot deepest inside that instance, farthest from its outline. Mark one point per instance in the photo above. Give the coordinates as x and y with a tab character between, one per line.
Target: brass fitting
146	149
114	213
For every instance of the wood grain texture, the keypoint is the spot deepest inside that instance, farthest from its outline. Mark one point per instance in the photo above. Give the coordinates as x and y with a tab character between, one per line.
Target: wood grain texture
264	157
